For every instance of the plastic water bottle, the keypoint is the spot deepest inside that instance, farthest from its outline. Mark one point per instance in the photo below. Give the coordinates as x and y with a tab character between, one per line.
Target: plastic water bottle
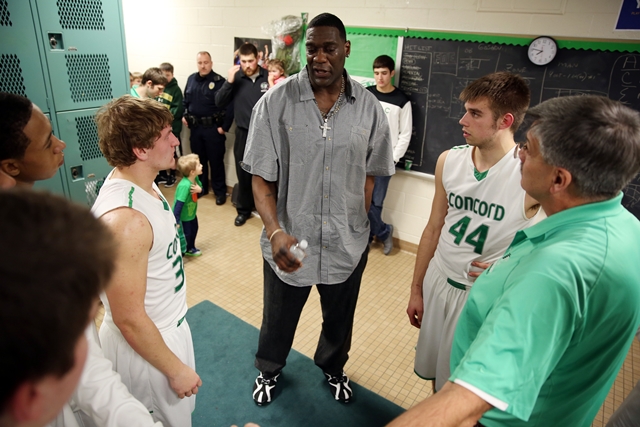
298	251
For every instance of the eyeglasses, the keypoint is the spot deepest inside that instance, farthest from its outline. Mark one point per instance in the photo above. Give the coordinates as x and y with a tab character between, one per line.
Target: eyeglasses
522	145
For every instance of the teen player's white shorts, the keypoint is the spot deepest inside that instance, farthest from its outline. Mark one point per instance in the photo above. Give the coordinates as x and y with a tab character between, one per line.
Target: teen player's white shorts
443	304
146	383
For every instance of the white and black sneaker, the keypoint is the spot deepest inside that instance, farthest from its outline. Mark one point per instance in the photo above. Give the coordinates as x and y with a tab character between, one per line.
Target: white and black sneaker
340	388
160	178
170	182
263	389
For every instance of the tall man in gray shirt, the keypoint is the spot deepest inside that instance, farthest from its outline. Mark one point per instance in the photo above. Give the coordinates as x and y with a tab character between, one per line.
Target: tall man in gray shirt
316	142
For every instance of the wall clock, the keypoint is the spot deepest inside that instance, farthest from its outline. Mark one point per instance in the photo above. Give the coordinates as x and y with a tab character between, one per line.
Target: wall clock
542	50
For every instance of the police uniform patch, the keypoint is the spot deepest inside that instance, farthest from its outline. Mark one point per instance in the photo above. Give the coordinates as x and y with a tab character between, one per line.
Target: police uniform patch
211	85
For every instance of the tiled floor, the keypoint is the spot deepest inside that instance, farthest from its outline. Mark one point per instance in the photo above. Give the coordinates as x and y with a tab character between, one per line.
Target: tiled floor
229	273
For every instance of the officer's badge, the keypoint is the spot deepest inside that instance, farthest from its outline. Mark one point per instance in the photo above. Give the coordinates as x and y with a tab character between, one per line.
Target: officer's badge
211	85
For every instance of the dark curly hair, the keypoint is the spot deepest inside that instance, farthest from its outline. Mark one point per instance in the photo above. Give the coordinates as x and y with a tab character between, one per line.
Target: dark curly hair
15	113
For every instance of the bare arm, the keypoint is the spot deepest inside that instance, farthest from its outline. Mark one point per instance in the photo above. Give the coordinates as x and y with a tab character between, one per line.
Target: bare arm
427	246
126	298
368	191
265	197
452	406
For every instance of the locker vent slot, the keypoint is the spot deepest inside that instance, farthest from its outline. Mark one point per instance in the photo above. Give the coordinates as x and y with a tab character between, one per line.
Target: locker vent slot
81	14
89	77
5	16
88	138
632	191
11	75
92	188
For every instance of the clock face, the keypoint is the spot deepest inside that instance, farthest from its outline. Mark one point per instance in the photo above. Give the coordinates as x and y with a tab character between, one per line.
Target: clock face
542	50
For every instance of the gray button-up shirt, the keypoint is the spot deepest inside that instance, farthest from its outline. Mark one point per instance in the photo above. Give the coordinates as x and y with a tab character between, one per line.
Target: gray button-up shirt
320	180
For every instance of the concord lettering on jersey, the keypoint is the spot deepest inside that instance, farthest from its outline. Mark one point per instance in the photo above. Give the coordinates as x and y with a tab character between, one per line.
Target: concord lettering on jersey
477	206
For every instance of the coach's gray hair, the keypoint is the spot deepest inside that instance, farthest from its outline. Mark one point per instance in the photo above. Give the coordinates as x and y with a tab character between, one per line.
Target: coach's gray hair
595	138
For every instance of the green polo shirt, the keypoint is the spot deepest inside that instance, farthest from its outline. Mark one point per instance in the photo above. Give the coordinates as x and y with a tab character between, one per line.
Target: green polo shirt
547	327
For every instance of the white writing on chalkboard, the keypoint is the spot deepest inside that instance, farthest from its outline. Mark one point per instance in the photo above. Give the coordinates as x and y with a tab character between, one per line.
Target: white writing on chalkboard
583	76
444	57
515	69
434	72
626	73
483	46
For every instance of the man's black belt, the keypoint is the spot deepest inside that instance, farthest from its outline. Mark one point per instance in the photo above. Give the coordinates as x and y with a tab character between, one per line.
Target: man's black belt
203	121
207	121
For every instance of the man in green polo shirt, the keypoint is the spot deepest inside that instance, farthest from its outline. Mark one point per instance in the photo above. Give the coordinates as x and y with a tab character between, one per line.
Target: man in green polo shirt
547	327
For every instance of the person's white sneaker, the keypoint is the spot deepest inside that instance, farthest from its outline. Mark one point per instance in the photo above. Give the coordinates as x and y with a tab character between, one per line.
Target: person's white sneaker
388	242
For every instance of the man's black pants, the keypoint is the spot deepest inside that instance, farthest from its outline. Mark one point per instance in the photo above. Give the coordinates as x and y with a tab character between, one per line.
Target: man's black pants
282	307
210	146
245	203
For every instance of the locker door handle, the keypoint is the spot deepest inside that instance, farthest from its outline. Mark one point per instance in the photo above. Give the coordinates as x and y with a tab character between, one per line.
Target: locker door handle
55	41
76	173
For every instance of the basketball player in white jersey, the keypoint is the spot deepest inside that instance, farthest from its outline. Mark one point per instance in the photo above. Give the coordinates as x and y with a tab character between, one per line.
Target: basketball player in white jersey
477	208
30	152
144	332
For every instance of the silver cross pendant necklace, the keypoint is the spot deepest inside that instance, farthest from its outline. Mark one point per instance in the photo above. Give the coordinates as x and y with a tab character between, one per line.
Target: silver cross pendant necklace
326	116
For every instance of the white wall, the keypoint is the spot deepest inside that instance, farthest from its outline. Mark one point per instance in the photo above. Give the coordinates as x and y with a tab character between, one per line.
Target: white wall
174	30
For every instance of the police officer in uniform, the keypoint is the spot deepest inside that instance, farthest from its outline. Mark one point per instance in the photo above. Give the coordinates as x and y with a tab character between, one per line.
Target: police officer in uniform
208	125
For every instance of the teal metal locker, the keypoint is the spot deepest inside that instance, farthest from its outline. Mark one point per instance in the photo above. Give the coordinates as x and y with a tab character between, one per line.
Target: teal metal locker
21	69
69	58
86	167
